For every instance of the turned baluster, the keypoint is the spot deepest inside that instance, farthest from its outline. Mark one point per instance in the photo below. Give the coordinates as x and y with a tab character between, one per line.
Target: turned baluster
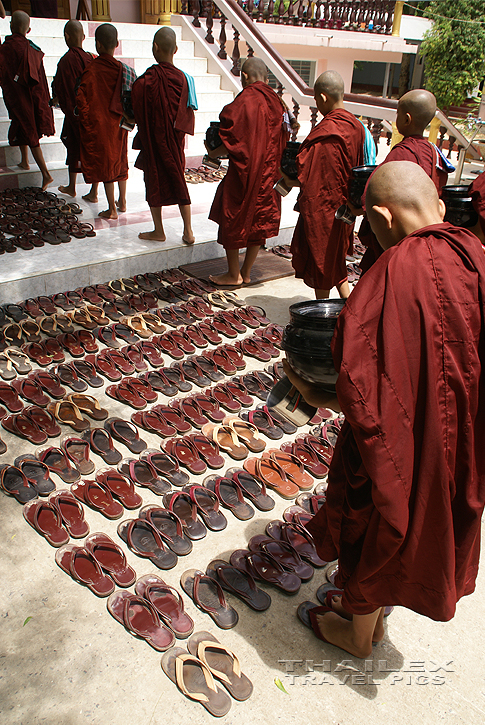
236	56
389	137
376	132
317	11
289	19
296	113
353	15
380	16
301	10
442	136
337	19
250	8
451	143
184	10
270	18
279	89
209	24
325	15
390	17
260	11
360	17
250	51
195	13
313	116
281	12
222	39
370	17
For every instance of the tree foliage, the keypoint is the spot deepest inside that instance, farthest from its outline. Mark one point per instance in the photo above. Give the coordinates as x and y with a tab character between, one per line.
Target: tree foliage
454	51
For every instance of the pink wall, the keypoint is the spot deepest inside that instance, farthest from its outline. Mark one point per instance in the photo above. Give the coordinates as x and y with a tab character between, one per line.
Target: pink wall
122	11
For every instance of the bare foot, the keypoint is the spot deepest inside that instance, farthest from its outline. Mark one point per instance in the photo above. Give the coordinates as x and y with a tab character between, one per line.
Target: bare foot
225	280
152	236
121	206
25	166
339	632
46	180
337	607
188	239
108	214
92	198
67	190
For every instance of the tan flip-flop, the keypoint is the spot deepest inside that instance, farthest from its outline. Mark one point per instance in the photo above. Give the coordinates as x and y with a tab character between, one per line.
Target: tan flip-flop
66	412
222	662
246	432
227	440
195	681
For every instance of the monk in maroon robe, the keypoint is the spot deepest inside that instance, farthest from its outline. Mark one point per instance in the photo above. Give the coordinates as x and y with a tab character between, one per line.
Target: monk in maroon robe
415	110
69	71
26	94
477	191
406	486
160	100
326	157
245	205
104	145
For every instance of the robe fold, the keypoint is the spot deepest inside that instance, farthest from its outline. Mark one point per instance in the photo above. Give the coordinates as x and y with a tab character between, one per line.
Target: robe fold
418	150
159	99
104	145
245	205
477	191
25	91
406	487
325	160
69	71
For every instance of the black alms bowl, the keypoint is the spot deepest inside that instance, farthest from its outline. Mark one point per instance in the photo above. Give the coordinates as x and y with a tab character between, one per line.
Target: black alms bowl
459	206
306	340
357	182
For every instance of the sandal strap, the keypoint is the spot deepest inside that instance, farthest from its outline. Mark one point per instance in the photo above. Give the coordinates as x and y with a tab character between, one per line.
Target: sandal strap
210	644
220	593
179	676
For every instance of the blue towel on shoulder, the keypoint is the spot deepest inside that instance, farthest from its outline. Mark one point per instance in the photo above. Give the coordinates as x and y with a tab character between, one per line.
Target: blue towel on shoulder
369	148
192	100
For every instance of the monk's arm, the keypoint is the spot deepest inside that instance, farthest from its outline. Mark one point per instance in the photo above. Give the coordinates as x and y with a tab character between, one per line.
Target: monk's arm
290	183
216	153
311	393
2	10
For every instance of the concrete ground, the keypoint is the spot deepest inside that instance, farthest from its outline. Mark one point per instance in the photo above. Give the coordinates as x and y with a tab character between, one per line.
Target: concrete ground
65	661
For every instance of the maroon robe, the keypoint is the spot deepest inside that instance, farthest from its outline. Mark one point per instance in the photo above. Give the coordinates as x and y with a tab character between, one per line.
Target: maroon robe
25	91
245	205
104	146
69	71
418	150
159	99
407	481
325	159
477	191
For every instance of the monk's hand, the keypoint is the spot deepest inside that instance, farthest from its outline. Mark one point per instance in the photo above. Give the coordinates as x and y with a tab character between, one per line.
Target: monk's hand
216	153
356	210
312	394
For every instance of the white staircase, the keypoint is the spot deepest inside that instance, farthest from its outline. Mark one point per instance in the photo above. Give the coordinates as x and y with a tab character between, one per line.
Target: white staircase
135	49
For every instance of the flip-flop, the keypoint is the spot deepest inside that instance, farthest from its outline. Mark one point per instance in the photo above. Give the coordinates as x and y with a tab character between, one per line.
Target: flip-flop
208	450
126	433
223	664
183	506
9	397
209	597
184	451
230	495
69	414
101	443
18	359
57	461
119	486
264	567
240	583
145	541
207	507
153	422
264	423
46	520
111	558
49	382
30	390
272	475
293	468
195	681
168	604
7	371
299	538
37	474
166	467
71	513
169	526
307	613
252	489
14	482
88	404
80	564
284	553
98	498
227	439
24	427
246	432
159	382
144	475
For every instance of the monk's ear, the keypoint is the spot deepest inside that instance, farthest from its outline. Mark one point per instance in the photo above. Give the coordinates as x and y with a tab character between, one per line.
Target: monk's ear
384	214
175	50
441	208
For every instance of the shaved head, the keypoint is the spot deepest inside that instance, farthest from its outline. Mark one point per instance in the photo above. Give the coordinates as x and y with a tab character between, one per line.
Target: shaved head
400	199
166	40
74	33
330	84
255	69
20	22
421	107
107	36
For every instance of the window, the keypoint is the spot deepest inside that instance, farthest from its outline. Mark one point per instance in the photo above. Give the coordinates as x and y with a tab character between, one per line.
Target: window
304	68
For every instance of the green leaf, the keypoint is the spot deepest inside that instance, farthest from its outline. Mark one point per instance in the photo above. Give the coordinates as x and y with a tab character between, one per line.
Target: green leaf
26	621
280	685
